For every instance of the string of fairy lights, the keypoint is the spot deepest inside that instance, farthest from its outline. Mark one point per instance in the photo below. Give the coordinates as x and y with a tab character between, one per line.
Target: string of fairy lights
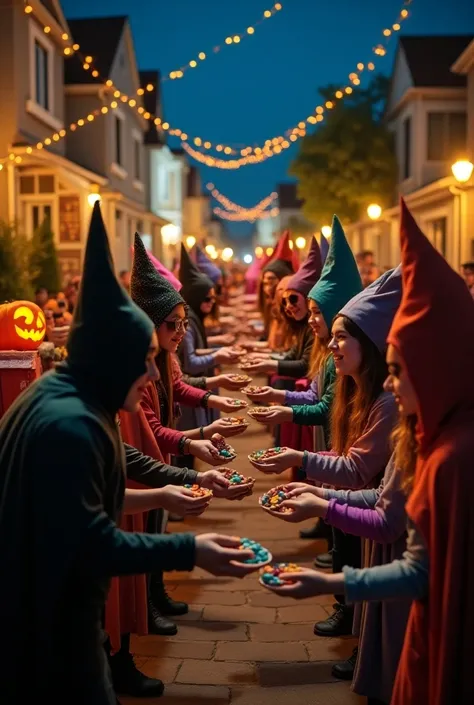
233	212
231	40
248	154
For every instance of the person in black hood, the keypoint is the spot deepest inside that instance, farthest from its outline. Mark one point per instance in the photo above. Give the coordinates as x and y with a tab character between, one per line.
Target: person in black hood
62	479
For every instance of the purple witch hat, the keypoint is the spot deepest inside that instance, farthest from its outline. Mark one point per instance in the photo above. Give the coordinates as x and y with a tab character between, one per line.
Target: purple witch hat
309	272
206	266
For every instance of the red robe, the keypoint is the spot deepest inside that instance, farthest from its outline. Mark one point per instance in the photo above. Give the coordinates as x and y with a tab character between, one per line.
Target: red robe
434	334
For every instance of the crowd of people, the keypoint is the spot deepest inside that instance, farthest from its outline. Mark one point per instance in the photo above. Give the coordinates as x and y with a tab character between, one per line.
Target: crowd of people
371	402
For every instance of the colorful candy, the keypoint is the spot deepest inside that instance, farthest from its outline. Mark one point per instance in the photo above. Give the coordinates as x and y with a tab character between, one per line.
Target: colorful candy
273	498
261	456
257	411
225	450
241	379
270	575
261	555
235	420
239	402
252	390
235	478
199	491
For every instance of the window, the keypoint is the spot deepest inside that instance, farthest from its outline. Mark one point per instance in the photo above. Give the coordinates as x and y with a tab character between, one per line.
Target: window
438	234
406	148
118	141
41	76
46	183
136	158
447	136
164	186
27	184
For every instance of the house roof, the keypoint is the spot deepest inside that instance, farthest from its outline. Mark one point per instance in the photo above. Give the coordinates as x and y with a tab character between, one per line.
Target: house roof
430	59
152	104
99	37
287	197
49	5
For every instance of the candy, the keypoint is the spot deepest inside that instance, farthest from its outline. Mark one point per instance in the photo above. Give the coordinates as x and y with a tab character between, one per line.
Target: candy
260	456
273	499
240	378
225	451
261	555
238	350
239	402
235	420
270	575
235	478
256	411
252	390
199	491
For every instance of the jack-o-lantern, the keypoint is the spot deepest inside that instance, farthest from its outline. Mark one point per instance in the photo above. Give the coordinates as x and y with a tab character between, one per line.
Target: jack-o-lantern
22	326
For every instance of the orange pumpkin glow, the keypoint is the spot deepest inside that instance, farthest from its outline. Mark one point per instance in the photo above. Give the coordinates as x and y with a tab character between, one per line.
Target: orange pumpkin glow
22	326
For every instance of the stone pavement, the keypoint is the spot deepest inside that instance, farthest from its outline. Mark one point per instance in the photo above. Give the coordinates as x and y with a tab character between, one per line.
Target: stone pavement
241	644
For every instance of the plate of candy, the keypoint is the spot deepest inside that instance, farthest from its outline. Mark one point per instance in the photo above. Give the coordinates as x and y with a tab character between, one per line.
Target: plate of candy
236	478
235	420
246	362
262	556
199	491
240	379
252	390
239	403
271	500
238	350
270	575
262	456
258	412
226	452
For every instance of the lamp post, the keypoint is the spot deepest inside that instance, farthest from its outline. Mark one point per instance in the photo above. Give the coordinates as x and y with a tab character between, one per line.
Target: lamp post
462	172
374	211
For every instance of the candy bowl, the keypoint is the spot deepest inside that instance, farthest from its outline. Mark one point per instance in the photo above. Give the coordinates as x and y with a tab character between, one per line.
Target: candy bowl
258	412
226	452
239	403
246	363
235	420
262	456
199	491
270	575
240	379
262	556
236	478
238	350
271	501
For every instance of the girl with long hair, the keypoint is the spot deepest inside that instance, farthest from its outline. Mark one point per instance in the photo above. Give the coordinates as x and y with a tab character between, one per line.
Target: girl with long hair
362	419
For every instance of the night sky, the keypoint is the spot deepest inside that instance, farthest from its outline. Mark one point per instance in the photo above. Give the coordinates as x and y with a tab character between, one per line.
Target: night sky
261	87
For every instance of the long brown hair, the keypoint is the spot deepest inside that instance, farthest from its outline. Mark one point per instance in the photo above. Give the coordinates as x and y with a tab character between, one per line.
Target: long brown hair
406	448
353	402
163	362
319	354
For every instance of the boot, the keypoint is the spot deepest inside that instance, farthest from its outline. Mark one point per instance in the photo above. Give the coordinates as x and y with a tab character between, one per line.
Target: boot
319	531
162	600
126	677
158	623
345	669
338	624
324	560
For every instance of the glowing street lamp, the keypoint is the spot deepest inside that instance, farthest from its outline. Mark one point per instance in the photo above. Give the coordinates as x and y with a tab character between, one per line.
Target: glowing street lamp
269	251
211	250
227	254
259	252
374	211
300	243
92	199
190	241
248	259
462	170
326	231
170	234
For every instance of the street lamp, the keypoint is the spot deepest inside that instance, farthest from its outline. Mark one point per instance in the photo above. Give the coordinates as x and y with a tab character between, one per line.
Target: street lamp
248	259
170	234
374	211
92	199
269	251
227	254
300	243
462	170
259	252
190	241
211	250
326	231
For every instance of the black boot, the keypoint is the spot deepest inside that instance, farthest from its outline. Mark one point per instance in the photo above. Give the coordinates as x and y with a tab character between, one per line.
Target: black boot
162	600
338	624
345	669
158	623
126	677
324	560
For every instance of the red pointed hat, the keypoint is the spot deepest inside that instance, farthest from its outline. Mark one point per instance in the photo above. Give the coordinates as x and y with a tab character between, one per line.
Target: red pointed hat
433	330
284	260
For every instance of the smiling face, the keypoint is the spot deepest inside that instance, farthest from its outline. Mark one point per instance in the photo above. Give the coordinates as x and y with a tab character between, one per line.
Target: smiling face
346	350
172	330
316	320
137	390
295	304
399	384
22	326
208	303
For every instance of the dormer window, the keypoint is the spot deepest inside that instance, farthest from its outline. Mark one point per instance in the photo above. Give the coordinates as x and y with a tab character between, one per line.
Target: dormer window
41	75
42	101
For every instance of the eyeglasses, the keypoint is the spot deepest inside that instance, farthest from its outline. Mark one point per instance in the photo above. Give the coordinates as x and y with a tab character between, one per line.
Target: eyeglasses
291	300
209	299
177	324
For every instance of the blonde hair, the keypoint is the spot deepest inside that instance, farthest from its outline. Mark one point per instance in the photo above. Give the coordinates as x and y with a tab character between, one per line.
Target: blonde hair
406	448
319	354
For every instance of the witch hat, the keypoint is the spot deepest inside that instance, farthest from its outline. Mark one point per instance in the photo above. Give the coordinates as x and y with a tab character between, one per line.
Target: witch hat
205	265
309	272
196	285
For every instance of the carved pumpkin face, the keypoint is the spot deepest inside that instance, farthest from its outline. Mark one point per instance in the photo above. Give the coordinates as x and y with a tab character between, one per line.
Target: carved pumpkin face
22	326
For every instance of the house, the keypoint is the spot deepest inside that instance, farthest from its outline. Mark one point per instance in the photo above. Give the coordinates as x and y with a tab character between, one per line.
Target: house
197	207
61	144
429	112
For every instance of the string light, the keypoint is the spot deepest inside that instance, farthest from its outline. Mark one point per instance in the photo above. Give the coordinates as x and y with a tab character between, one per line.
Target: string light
234	207
230	40
246	216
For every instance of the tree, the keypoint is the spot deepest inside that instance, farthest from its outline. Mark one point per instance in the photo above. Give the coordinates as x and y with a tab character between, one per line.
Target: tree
44	268
15	280
349	162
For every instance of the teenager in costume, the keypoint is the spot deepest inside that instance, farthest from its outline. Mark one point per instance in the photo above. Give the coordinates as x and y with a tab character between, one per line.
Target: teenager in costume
62	472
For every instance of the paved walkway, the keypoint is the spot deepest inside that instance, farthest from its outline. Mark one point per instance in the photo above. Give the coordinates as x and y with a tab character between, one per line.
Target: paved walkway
240	644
